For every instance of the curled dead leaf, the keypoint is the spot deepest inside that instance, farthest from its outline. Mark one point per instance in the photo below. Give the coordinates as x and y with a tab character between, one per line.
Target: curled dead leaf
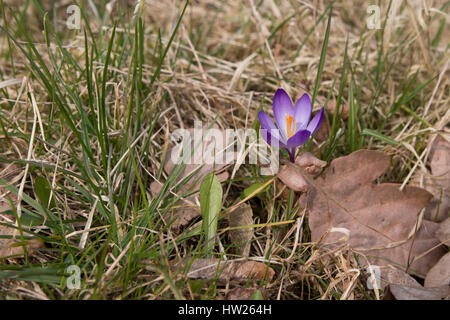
289	175
296	183
310	163
241	238
212	268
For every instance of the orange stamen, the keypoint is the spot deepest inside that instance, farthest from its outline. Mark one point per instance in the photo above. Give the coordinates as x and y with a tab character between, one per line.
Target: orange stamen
290	127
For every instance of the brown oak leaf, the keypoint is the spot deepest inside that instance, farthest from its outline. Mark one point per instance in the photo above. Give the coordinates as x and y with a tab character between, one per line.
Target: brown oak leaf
378	220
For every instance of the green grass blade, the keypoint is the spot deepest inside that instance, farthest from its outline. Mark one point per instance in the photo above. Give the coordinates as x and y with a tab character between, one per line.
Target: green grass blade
322	58
379	136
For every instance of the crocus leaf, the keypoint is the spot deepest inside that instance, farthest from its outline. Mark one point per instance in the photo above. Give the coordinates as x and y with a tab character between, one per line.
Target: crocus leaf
210	204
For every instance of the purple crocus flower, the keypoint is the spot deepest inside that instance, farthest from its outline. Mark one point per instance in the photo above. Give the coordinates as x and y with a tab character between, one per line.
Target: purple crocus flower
293	126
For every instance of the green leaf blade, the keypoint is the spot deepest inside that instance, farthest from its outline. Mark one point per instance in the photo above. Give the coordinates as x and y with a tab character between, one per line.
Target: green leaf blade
210	204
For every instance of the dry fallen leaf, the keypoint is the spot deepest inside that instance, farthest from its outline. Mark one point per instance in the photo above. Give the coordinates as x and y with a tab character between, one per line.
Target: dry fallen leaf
438	182
392	275
242	216
186	209
405	287
378	220
421	252
440	274
229	270
10	173
14	246
443	232
413	293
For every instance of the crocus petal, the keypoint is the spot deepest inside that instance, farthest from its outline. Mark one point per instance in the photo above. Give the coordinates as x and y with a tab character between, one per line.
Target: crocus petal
315	123
267	123
282	106
302	112
272	137
298	139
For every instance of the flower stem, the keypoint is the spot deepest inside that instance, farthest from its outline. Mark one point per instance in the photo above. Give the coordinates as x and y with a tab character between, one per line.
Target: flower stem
292	156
